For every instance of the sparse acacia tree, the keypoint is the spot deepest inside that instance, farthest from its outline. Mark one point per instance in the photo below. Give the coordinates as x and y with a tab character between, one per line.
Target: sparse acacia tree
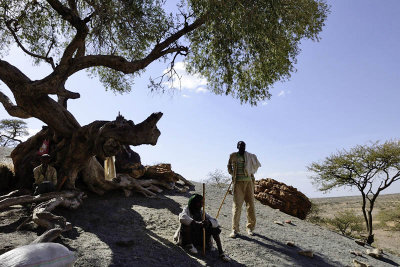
369	168
11	130
218	177
241	47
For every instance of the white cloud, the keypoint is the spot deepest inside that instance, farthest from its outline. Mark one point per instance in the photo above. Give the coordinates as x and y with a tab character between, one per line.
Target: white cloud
284	93
201	90
186	96
186	81
264	103
281	93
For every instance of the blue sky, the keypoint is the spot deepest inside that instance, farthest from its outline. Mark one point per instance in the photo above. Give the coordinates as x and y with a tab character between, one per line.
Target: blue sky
345	92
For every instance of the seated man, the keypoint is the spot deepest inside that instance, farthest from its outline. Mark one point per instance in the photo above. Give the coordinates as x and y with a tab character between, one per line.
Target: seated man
45	176
190	231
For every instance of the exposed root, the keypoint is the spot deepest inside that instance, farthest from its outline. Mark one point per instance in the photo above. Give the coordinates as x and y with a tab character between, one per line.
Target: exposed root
48	236
7	202
42	215
16	193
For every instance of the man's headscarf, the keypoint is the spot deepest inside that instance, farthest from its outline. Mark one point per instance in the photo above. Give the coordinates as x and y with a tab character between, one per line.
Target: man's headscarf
193	199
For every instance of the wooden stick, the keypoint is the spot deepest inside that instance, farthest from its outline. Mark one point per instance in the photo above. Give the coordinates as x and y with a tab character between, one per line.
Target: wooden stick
227	191
204	217
222	203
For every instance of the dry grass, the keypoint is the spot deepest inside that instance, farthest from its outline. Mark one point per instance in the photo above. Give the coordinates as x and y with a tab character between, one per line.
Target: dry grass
385	238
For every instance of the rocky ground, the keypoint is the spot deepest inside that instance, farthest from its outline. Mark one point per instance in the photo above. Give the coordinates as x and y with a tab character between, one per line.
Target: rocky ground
117	231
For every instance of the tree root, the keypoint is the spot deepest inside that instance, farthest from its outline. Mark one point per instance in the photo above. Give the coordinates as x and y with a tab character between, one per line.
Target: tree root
7	202
42	215
15	193
48	236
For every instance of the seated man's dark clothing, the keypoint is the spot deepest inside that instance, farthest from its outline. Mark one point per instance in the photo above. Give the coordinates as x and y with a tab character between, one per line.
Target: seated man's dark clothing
190	231
45	176
193	234
44	187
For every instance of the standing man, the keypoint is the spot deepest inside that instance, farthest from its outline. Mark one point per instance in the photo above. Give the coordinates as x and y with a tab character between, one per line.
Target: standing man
242	166
45	176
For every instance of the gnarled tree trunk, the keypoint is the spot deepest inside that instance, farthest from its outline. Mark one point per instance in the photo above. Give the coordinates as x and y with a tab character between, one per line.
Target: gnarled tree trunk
74	155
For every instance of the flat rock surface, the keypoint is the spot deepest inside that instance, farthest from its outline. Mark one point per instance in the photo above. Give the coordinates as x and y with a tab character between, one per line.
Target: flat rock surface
117	231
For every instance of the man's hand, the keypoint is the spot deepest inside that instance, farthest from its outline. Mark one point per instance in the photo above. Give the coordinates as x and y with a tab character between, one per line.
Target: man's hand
203	224
206	223
197	223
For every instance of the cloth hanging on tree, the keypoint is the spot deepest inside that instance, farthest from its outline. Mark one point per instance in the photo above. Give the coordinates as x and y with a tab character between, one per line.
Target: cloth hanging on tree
44	148
109	168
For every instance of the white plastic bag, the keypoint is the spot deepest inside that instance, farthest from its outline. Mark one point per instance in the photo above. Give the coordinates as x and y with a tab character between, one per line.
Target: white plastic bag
42	254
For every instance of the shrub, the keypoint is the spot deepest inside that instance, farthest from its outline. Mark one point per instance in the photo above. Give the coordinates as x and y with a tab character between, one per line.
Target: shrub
390	218
314	215
347	223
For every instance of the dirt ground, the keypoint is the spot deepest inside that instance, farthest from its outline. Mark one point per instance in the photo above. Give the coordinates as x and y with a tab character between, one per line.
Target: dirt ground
387	240
117	231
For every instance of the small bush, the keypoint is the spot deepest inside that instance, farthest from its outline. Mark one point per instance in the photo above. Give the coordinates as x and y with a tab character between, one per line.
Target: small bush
218	177
314	215
347	223
390	218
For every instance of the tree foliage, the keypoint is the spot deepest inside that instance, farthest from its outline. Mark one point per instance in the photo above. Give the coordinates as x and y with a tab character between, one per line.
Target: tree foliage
11	131
369	168
241	47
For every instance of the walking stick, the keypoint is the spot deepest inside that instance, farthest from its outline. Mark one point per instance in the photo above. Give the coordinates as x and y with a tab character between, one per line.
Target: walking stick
227	191
222	203
204	217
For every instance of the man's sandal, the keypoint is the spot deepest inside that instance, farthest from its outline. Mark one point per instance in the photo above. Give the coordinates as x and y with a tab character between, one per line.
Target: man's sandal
225	258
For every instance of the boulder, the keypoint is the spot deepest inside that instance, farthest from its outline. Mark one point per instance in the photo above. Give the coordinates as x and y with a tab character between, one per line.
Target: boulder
357	263
307	253
161	171
280	196
376	253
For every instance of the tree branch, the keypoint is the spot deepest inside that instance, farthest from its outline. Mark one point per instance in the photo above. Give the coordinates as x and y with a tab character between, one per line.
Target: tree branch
12	76
121	64
45	58
12	109
71	15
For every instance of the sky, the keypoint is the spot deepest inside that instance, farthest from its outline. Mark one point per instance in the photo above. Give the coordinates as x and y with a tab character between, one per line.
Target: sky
344	93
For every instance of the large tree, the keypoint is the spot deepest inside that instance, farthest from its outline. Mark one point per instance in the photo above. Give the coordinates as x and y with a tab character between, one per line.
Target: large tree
368	168
240	47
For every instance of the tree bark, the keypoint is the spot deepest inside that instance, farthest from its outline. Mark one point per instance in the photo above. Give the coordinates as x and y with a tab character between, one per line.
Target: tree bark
74	155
